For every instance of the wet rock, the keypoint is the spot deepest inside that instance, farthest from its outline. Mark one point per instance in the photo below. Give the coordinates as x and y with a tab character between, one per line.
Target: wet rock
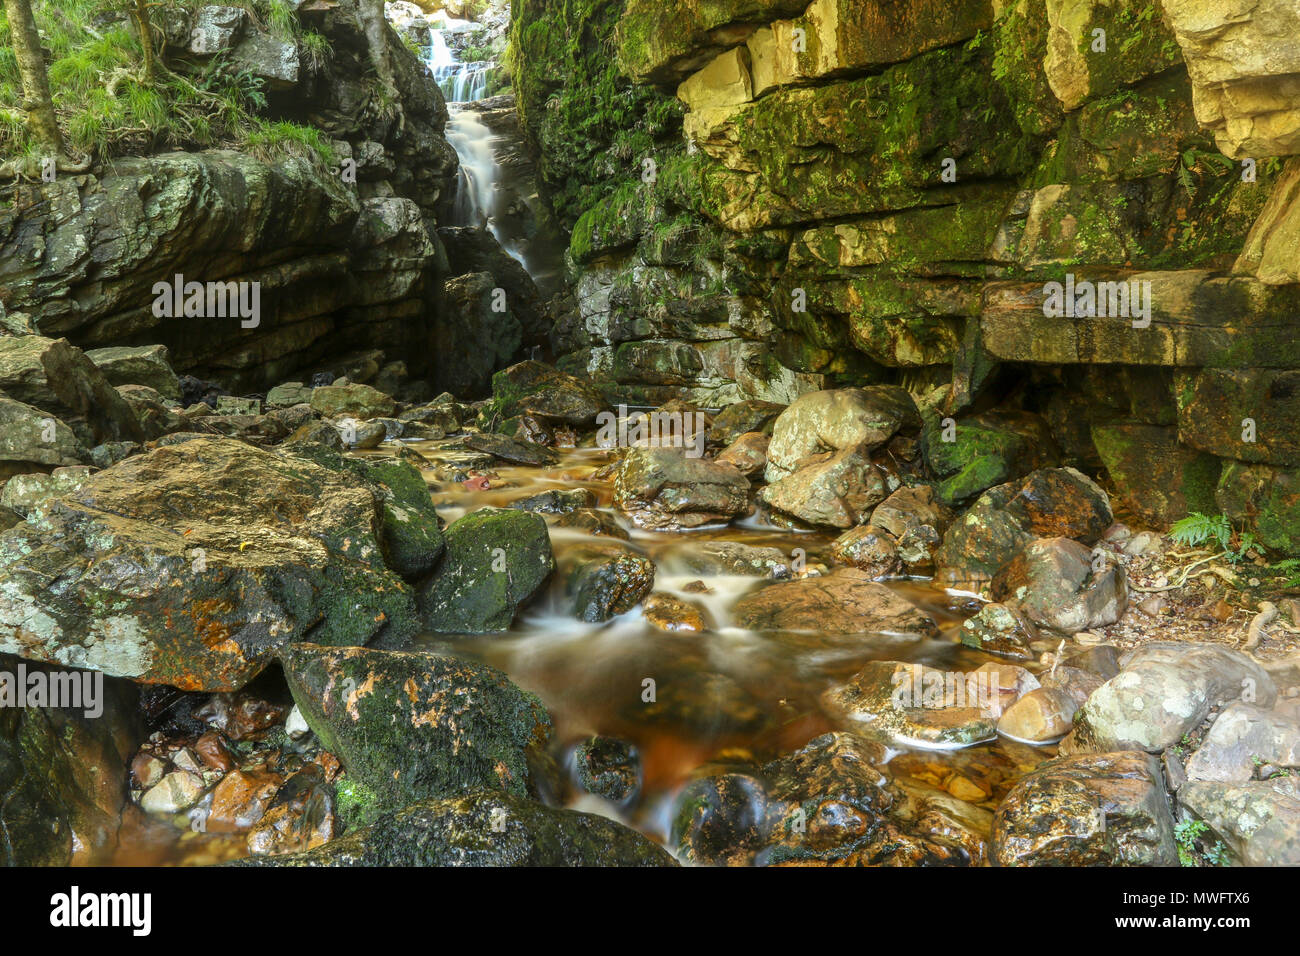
55	377
590	521
241	798
241	716
288	395
836	489
174	793
416	725
496	560
730	557
295	725
1259	821
546	393
844	602
668	613
353	400
834	421
483	829
412	538
300	818
663	489
442	416
1164	692
868	549
921	706
830	803
1056	584
720	819
1091	810
212	750
150	552
740	418
138	365
603	580
410	532
110	453
1002	630
908	509
150	410
556	501
1100	659
1043	715
511	450
748	454
313	433
62	774
479	333
1048	503
608	767
1243	738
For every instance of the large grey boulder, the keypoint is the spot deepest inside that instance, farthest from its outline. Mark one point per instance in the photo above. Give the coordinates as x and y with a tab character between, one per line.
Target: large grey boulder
1164	691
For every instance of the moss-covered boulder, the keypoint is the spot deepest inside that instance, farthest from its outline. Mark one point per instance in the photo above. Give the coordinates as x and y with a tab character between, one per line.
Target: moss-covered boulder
416	725
192	564
496	561
484	829
972	455
534	388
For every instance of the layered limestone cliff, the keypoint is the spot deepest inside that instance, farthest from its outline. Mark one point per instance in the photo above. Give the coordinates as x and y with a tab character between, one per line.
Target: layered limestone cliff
866	191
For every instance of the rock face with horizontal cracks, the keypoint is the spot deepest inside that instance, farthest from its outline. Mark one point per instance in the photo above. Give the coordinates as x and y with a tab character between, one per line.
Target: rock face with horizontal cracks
800	232
192	564
313	247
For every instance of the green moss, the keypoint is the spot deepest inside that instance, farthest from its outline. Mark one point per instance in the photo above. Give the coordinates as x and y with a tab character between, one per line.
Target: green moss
107	107
591	126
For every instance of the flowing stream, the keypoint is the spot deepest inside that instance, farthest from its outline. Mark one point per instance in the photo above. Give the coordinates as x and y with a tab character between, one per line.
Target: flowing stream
726	696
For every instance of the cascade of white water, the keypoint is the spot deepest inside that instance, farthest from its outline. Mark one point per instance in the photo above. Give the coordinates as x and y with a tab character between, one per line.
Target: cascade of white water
476	193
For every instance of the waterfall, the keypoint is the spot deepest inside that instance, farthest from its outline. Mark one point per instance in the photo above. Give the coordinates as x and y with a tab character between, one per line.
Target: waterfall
476	191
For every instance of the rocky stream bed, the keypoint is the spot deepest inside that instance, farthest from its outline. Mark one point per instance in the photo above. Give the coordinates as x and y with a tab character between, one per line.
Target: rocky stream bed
442	644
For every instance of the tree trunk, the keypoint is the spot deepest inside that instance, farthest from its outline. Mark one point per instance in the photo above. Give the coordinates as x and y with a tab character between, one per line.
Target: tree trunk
375	28
36	82
140	14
